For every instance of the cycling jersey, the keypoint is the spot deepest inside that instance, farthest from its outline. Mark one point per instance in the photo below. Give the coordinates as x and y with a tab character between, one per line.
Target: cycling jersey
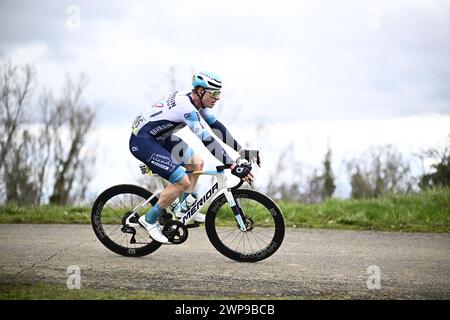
152	139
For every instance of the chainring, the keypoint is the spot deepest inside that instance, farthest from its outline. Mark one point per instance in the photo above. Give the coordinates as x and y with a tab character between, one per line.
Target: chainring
175	231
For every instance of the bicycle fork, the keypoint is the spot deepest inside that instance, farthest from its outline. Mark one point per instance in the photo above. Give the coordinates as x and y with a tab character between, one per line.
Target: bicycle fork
234	204
237	210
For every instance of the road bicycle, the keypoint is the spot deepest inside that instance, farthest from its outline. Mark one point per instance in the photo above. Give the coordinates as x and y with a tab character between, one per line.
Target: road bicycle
242	224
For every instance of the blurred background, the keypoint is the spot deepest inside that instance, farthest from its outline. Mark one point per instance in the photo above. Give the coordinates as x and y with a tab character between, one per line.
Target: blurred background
343	98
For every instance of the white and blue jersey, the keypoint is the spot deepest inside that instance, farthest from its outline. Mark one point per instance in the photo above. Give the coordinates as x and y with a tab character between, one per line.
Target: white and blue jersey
152	140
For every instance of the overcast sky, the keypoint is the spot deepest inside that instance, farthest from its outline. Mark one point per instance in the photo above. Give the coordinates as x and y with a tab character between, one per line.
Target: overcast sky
281	61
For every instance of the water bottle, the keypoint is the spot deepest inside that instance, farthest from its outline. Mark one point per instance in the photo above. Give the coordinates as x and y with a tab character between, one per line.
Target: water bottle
190	200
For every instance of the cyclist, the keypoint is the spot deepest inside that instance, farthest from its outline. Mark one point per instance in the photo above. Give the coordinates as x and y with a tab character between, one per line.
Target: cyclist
154	143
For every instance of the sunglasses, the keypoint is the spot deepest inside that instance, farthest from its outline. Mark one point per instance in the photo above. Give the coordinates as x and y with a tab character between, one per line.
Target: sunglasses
214	93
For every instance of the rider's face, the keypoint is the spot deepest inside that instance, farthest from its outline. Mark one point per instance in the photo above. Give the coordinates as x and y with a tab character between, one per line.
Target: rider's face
208	100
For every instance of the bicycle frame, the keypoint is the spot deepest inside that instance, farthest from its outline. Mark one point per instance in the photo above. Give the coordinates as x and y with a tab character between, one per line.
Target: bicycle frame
218	188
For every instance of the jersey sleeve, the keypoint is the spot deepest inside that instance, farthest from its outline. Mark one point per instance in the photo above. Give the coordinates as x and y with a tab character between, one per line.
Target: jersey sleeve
219	129
193	121
209	117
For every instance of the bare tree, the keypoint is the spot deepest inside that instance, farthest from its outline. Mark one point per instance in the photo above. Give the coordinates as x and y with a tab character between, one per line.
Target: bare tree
441	167
359	182
16	143
43	138
379	172
20	182
16	86
75	117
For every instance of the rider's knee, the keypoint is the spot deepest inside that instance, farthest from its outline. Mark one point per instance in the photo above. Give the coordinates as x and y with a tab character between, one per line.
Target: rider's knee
198	163
195	163
184	183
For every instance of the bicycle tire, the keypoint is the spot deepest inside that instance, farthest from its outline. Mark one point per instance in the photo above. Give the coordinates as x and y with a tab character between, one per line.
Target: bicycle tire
96	220
236	254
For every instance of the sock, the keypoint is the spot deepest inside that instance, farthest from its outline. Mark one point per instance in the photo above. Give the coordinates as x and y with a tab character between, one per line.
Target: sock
184	195
152	215
183	198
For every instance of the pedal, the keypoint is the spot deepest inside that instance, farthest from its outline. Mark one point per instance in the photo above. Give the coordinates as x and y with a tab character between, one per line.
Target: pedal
193	225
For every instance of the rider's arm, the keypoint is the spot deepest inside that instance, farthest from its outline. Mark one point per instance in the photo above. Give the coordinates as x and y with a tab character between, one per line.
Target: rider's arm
192	119
220	130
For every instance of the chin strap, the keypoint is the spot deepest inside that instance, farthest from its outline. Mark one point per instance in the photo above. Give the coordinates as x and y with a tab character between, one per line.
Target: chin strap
201	97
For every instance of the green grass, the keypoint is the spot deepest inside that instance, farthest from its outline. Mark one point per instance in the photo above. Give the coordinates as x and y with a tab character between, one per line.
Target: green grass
427	211
12	213
45	291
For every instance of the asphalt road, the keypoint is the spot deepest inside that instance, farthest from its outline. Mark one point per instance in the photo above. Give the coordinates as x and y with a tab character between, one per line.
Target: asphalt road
309	264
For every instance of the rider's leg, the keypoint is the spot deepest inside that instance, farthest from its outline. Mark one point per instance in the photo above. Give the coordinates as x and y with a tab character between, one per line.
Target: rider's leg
195	163
184	154
159	159
172	191
167	196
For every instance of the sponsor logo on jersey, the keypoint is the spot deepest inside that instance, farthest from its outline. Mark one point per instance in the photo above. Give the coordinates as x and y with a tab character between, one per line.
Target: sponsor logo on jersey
158	105
171	100
160	128
161	161
137	121
155	114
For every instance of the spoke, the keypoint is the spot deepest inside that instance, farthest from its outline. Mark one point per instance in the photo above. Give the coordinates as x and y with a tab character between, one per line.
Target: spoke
121	200
256	240
114	201
243	241
234	239
116	227
257	214
109	227
255	210
123	237
113	211
249	243
259	233
138	235
264	241
230	233
132	201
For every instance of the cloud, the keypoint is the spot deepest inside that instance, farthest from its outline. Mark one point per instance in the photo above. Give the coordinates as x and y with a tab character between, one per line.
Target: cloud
283	61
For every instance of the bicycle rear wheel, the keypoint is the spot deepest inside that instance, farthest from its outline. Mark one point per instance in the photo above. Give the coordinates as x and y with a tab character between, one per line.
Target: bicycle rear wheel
109	212
264	221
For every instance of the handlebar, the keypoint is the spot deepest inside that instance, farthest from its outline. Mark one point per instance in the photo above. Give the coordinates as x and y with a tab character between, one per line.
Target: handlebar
223	167
228	166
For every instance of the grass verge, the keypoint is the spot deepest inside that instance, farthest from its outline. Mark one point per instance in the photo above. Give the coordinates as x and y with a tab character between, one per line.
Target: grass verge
57	292
427	211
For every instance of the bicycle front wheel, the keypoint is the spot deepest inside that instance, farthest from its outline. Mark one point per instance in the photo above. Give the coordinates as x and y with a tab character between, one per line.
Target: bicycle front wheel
109	213
264	221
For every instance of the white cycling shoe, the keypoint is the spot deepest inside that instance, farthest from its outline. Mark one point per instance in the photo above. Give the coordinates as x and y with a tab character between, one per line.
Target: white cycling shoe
153	230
